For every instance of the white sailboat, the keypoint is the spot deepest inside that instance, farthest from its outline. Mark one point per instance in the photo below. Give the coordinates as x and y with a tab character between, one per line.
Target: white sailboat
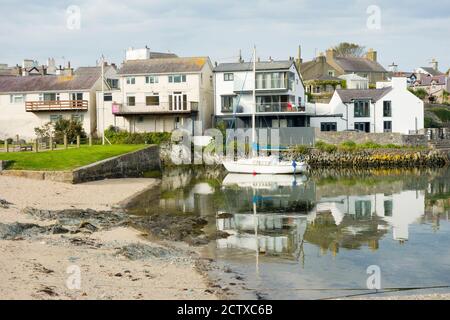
262	164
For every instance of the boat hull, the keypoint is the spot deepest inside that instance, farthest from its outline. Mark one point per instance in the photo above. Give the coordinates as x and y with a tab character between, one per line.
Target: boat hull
279	168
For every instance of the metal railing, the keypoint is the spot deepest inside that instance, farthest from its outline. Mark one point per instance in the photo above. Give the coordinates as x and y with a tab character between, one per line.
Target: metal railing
162	107
60	105
279	107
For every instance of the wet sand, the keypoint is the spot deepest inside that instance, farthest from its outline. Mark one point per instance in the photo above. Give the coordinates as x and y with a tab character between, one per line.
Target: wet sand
39	267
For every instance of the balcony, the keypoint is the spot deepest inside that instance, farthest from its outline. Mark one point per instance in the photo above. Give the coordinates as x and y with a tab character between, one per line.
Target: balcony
164	108
279	107
56	105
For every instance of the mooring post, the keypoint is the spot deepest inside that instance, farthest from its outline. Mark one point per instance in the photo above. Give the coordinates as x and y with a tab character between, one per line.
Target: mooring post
6	146
78	141
51	143
36	145
90	141
65	141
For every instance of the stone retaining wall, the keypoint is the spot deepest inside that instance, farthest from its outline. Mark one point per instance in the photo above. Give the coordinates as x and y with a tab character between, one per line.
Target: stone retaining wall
337	137
132	164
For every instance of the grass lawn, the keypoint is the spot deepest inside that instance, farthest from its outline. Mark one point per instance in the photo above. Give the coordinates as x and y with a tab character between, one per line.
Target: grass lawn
65	159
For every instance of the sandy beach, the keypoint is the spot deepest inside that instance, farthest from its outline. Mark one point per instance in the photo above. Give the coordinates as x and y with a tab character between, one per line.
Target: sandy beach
42	265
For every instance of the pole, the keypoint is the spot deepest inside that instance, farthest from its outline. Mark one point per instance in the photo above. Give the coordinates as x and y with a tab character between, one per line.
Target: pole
254	105
103	98
6	145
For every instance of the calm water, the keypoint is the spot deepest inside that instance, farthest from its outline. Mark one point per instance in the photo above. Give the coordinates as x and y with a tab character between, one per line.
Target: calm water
314	237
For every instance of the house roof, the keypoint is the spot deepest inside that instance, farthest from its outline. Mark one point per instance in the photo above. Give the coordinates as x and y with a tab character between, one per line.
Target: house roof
83	78
348	95
358	64
431	71
161	55
163	65
248	66
352	76
323	77
426	81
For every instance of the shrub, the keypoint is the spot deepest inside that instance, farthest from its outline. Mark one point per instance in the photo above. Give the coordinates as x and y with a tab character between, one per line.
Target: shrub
117	136
371	145
72	128
301	149
325	147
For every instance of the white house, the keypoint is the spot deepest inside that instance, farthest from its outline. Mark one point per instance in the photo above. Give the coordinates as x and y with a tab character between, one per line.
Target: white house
280	94
160	92
389	108
30	101
354	81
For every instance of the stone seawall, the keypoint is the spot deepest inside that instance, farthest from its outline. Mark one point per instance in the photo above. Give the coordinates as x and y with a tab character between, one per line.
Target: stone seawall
377	158
132	164
380	138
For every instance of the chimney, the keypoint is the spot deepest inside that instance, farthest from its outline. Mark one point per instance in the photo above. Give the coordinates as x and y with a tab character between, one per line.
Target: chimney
434	64
371	55
331	53
240	56
299	55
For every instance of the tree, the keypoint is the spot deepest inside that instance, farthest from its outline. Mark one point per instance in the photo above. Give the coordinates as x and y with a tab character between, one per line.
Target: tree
346	49
45	132
72	128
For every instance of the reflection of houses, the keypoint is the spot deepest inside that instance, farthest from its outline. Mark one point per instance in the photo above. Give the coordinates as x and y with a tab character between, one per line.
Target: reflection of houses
265	233
377	205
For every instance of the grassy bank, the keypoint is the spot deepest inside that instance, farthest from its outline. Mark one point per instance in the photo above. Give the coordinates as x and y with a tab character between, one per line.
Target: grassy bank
65	159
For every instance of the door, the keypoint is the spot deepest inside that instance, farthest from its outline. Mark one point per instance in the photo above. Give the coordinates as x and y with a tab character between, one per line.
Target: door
76	99
177	102
362	126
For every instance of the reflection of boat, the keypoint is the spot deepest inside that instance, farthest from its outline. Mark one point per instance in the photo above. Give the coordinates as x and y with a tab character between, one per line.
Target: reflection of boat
263	181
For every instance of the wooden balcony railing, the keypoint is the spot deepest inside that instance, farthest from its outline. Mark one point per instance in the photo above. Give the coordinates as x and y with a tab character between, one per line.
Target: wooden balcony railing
161	108
57	105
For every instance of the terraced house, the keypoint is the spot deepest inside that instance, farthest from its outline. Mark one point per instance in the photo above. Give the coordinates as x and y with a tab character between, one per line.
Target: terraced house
160	92
27	102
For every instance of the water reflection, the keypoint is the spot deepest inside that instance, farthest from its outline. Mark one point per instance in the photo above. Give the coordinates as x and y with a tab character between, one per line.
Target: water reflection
322	231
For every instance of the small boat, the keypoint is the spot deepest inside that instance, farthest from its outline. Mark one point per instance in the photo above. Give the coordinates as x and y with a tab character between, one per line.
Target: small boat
265	165
263	181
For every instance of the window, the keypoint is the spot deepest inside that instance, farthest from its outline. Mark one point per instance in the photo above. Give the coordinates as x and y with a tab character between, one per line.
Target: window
151	79
55	117
140	119
362	108
388	208
387	111
107	97
131	100
177	78
228	77
363	208
362	126
17	98
131	80
49	97
227	103
328	126
273	80
78	117
331	73
113	83
387	126
152	100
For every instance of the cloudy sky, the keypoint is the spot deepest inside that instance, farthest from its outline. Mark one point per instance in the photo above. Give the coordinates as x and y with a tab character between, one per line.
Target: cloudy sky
409	32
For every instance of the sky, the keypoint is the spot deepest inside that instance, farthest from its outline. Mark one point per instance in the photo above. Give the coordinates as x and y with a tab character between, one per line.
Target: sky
407	32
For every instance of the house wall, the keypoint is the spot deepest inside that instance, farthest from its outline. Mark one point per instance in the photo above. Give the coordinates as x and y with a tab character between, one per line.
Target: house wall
244	81
14	120
198	88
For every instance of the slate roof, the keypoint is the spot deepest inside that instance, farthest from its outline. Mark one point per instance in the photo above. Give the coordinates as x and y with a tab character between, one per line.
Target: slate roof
348	95
83	78
248	66
432	71
354	64
162	65
323	77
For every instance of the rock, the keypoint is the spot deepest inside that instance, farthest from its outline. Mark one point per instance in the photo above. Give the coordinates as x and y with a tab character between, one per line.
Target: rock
88	226
18	230
4	204
138	251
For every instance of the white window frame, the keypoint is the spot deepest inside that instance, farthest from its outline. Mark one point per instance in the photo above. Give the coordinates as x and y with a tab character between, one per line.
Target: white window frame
131	80
151	79
17	98
228	76
172	78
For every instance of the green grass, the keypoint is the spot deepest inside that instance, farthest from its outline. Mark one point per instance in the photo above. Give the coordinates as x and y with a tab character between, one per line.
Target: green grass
64	159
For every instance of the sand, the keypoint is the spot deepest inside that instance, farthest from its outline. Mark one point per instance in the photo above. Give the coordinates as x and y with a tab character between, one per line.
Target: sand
37	268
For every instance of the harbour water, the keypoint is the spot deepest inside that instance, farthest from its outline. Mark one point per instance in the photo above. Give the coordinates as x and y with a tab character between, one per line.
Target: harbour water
325	235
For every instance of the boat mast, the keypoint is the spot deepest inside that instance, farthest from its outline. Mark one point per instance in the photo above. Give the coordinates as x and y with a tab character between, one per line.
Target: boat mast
254	105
